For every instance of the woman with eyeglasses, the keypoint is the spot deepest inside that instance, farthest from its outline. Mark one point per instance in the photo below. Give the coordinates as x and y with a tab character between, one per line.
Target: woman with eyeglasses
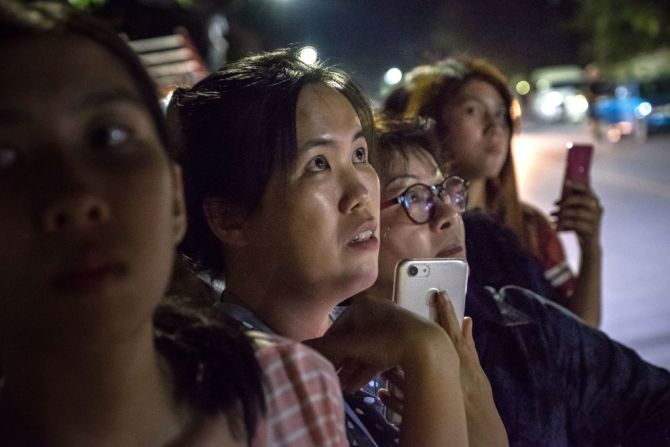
545	377
421	218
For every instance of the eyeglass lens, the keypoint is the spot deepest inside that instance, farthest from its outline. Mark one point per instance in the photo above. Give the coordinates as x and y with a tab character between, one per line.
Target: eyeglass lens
420	199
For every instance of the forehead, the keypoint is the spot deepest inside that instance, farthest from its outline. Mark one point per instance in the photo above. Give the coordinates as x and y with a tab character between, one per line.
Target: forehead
480	90
58	68
322	110
417	163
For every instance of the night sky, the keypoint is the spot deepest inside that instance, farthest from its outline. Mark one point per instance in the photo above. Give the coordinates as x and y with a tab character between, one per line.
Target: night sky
367	37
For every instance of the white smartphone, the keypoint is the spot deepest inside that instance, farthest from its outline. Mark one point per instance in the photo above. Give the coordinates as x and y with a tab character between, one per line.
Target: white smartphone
414	283
417	279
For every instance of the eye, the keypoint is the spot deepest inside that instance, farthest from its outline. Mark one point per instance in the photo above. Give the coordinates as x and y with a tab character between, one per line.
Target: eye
360	155
109	136
318	164
8	158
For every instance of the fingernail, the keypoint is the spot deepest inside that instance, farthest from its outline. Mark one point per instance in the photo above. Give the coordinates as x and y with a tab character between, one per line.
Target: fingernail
433	298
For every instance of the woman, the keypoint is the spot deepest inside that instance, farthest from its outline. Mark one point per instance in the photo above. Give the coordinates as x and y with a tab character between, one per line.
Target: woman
429	228
471	105
555	380
92	206
283	204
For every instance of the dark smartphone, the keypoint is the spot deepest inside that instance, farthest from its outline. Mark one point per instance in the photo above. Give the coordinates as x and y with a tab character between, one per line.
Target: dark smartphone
578	166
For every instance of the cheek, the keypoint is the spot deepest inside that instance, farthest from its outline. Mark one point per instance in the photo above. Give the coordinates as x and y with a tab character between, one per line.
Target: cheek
402	240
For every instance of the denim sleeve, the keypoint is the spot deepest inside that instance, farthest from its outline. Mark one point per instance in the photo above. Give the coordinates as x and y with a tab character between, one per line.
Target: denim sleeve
614	397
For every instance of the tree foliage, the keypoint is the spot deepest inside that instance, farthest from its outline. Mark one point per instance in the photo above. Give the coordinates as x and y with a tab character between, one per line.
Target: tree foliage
619	29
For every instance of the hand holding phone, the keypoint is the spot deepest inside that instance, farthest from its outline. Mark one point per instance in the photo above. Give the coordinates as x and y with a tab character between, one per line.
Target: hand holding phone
415	282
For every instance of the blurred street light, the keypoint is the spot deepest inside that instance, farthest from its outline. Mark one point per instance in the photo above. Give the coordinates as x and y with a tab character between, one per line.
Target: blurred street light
308	55
393	76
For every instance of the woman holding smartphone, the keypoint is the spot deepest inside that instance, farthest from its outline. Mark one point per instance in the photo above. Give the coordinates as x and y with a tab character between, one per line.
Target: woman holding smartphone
91	351
544	365
471	105
283	204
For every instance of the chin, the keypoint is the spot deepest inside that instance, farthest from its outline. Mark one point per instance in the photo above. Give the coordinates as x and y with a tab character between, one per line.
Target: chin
361	280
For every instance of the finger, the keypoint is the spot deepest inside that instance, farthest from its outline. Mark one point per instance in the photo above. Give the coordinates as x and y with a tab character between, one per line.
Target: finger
395	403
579	202
396	376
467	332
359	376
446	315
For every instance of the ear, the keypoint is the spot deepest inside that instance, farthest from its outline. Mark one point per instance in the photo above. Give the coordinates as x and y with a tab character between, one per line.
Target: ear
178	205
226	222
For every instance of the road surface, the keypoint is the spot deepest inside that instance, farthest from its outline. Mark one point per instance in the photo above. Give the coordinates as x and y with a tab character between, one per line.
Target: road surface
633	182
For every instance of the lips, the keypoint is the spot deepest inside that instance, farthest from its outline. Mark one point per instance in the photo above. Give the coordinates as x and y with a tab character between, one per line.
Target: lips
91	272
451	251
364	235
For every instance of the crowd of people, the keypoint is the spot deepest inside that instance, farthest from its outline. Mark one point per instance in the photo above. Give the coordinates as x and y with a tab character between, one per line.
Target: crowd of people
268	177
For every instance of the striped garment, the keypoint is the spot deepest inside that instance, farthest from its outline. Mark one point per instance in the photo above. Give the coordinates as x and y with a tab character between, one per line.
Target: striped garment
303	396
548	249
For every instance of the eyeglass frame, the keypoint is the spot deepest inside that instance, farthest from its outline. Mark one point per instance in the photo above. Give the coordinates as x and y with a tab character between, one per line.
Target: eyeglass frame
437	190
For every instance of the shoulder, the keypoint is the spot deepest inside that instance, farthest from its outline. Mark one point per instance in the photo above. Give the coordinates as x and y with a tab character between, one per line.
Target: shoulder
303	395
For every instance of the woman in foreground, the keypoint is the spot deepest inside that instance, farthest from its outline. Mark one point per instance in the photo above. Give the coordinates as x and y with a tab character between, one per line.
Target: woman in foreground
92	209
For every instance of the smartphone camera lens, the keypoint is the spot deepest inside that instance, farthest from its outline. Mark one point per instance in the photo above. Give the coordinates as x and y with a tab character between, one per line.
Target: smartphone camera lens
412	271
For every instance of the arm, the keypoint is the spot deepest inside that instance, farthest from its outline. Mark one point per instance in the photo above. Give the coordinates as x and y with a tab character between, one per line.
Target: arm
303	396
614	397
485	427
375	335
580	211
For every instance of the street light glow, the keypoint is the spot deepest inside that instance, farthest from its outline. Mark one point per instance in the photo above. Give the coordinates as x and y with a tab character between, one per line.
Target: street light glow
308	55
392	76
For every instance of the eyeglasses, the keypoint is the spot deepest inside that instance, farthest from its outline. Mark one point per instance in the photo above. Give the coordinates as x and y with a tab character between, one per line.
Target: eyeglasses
418	200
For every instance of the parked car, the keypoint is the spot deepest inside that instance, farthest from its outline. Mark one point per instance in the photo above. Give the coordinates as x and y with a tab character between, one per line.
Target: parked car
632	108
558	94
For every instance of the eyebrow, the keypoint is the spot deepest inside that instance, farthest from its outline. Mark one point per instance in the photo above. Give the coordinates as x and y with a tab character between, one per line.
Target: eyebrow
10	114
476	99
309	144
107	96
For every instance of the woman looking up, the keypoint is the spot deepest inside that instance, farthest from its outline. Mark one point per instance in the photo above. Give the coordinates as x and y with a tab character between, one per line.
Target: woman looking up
283	204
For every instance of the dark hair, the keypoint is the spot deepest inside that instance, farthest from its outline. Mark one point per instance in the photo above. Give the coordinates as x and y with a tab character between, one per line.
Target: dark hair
237	127
432	88
50	18
211	356
396	136
213	362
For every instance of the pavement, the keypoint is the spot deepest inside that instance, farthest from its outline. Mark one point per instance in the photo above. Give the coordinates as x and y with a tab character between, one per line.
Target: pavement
633	182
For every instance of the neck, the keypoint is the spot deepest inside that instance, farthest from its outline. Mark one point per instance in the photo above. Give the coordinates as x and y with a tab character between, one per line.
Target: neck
380	290
88	393
477	194
293	314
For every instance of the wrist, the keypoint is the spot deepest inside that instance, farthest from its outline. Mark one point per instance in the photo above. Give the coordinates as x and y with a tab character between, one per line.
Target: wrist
431	350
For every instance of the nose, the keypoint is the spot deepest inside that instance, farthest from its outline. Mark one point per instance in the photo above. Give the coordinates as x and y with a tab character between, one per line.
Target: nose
493	123
75	211
357	192
445	214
